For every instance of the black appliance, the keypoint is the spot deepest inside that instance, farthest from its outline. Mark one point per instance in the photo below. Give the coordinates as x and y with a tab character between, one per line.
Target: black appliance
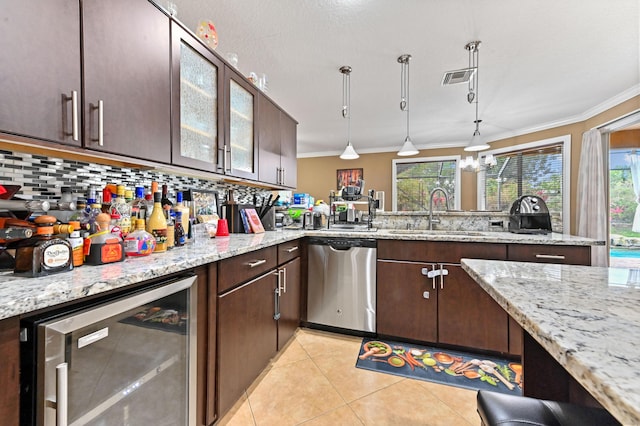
529	215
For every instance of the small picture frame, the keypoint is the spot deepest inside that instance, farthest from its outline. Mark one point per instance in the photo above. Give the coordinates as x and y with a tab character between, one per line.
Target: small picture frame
203	202
348	177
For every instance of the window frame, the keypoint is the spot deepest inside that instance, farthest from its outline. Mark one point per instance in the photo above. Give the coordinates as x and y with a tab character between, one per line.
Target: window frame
565	140
394	191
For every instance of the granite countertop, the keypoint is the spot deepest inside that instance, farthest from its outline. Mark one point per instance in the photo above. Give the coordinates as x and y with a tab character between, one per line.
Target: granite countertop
553	238
587	318
20	295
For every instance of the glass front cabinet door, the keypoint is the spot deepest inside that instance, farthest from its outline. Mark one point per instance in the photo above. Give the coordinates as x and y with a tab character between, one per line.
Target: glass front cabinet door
197	102
240	151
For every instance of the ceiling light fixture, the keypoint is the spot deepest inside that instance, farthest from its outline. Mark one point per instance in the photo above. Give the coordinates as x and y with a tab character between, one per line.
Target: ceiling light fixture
476	143
408	148
470	164
349	153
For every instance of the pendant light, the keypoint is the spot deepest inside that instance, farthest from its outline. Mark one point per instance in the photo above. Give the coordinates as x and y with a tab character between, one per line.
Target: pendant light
349	153
408	148
476	143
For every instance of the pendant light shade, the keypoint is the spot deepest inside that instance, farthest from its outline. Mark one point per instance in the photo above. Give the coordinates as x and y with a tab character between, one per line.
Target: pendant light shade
476	143
349	152
408	148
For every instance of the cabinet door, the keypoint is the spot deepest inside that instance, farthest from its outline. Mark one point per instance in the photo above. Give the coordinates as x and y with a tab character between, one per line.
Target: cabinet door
467	315
407	302
127	79
196	98
40	69
289	301
247	336
288	151
210	414
269	137
240	151
9	371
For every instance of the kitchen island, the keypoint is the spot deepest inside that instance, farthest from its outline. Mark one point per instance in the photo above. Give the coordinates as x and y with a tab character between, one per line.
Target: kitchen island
585	318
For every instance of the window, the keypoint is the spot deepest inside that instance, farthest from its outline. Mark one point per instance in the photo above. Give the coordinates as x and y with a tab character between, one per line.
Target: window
540	168
414	179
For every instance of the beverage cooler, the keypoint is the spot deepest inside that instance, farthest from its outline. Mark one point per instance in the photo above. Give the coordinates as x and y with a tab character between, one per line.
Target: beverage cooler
129	360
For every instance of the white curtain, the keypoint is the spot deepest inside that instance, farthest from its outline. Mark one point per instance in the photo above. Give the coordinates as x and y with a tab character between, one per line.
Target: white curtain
634	165
591	200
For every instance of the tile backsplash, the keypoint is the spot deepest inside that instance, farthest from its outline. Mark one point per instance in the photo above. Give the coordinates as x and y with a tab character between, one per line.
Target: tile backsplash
42	177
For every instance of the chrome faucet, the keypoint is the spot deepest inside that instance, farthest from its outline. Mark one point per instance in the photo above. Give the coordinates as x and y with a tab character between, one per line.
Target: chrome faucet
446	205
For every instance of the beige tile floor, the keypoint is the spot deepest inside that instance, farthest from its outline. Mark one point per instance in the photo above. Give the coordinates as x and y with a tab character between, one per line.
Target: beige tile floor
314	381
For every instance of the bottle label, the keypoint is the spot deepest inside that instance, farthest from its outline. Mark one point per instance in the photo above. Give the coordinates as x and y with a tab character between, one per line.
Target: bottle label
160	235
111	252
56	256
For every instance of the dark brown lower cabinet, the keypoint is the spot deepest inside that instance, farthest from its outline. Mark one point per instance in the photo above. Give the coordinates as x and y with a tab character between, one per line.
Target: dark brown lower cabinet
289	320
246	336
10	371
451	309
406	305
468	316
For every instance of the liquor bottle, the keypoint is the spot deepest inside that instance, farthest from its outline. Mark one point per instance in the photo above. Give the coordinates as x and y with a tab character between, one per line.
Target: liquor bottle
121	212
103	246
139	205
180	235
180	207
157	224
43	254
139	242
76	241
166	209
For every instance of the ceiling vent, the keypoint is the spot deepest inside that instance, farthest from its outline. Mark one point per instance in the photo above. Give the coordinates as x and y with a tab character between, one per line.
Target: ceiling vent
458	76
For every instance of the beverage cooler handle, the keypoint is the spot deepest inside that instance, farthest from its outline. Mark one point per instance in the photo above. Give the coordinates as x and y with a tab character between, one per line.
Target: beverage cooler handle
61	394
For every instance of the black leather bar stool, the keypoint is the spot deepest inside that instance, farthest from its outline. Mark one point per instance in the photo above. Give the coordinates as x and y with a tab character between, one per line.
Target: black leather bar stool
498	409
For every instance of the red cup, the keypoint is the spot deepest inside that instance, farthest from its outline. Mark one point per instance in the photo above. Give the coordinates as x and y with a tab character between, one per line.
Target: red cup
223	228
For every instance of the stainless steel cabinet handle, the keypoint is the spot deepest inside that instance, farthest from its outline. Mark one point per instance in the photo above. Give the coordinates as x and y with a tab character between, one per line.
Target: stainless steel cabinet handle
550	256
284	279
292	249
61	394
257	263
74	114
227	150
101	122
443	272
282	176
276	315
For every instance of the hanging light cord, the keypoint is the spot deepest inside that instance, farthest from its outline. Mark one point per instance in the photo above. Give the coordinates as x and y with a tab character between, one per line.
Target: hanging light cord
346	98
474	83
404	86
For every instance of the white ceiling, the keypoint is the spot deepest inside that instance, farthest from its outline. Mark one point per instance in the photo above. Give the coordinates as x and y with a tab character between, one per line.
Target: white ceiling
542	63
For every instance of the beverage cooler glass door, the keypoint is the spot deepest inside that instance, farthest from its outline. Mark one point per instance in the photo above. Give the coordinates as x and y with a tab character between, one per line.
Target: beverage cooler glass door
127	362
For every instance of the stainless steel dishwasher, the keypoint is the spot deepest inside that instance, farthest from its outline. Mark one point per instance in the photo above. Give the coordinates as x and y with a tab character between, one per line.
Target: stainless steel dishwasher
342	283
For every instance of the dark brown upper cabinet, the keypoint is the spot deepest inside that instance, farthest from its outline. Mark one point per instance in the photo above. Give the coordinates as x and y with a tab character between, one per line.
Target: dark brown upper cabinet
197	102
40	70
127	79
277	137
238	156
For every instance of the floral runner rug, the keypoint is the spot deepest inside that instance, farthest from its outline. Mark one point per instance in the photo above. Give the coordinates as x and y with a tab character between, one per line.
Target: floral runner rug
455	368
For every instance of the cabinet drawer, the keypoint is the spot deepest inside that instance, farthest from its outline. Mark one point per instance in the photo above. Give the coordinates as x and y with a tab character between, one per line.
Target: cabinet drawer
439	251
238	269
571	255
289	250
